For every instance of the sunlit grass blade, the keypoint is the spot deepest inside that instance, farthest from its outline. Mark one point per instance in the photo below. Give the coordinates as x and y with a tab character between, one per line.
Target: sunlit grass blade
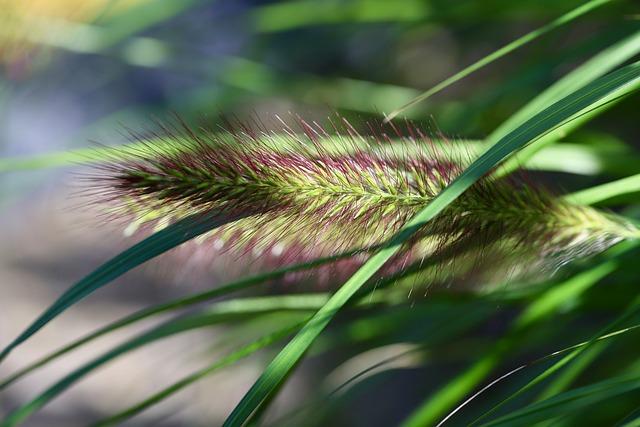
604	192
583	159
237	306
598	65
573	158
595	67
564	19
231	310
571	372
601	90
365	301
152	246
599	340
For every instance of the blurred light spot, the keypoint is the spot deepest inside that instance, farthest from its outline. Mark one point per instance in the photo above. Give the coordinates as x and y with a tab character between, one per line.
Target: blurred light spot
294	14
145	52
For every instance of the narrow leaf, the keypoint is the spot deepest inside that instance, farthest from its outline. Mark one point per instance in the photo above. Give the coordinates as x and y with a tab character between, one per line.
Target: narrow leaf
529	37
568	402
171	306
241	353
591	96
208	317
602	193
149	248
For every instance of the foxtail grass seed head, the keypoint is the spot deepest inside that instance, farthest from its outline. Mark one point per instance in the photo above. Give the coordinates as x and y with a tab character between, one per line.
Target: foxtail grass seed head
316	193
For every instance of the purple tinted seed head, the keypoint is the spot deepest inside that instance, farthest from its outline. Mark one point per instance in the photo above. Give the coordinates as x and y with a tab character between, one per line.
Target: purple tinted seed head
318	193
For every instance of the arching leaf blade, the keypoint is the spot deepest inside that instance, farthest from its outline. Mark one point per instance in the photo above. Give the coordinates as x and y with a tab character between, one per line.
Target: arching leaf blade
167	392
593	95
154	245
527	38
176	304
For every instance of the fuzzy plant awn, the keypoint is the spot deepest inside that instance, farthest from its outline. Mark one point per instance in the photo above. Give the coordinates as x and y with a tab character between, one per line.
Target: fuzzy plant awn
315	193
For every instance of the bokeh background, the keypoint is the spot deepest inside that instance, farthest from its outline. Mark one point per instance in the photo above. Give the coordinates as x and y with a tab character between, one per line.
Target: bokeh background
78	73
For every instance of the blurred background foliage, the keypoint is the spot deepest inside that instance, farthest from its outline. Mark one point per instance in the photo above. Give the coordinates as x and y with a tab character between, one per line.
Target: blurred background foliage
76	72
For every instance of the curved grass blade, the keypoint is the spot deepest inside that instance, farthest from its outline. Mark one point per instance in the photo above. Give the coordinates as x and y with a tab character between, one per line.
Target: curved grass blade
220	312
595	94
604	192
600	339
429	412
561	157
631	310
564	19
173	305
569	401
242	306
540	309
596	66
214	315
230	359
571	372
152	246
366	300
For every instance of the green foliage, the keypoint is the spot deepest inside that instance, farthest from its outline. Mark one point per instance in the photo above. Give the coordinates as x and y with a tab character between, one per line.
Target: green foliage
149	248
566	373
625	79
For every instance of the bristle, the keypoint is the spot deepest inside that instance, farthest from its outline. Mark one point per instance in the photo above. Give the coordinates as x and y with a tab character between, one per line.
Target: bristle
314	194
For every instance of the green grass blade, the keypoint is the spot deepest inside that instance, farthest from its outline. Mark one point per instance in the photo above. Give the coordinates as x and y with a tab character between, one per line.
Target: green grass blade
564	19
600	339
167	329
595	67
602	193
216	314
561	157
158	397
437	405
238	306
224	311
568	402
171	306
582	159
601	90
152	246
571	372
631	310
